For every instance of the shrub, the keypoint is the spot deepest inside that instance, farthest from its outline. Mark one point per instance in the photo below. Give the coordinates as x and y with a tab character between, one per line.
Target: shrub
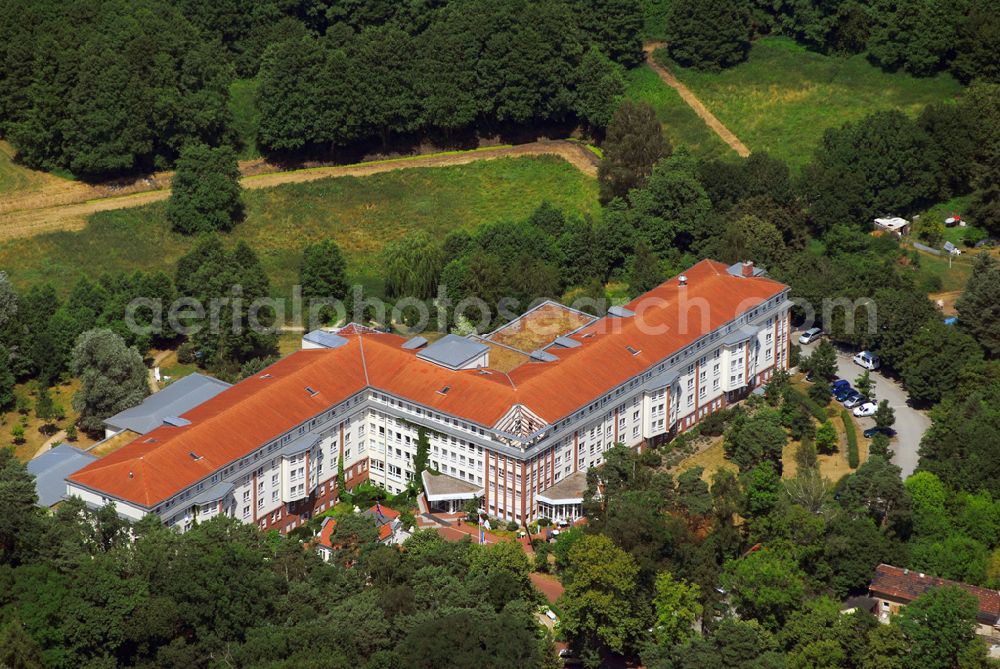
651	459
714	424
932	283
826	438
71	432
973	236
512	526
852	439
17	434
819	393
185	353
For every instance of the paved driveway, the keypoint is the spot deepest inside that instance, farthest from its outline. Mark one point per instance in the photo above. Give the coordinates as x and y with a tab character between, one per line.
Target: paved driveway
910	423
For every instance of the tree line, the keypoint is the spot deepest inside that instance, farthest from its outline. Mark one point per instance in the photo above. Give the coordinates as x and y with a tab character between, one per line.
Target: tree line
468	66
103	88
83	588
921	38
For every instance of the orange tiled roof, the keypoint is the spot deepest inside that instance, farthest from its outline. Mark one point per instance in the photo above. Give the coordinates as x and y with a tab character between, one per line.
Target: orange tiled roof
906	585
239	420
326	532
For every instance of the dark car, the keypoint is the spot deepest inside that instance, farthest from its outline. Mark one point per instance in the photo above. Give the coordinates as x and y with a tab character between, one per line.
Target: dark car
838	385
851	394
872	431
842	394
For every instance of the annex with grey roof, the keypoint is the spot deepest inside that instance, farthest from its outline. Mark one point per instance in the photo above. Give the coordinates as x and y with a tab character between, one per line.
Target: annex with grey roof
51	468
167	405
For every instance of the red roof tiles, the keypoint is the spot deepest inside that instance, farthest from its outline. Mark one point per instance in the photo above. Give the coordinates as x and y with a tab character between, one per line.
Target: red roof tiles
906	585
248	415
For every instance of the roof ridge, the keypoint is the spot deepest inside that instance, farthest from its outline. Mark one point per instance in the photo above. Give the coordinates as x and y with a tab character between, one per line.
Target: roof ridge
364	363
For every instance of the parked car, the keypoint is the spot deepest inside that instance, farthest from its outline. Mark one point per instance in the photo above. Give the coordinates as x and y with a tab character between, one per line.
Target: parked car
838	385
872	431
865	410
850	394
867	359
855	400
810	335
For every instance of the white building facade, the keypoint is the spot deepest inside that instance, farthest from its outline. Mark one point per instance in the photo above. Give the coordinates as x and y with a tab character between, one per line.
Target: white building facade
373	430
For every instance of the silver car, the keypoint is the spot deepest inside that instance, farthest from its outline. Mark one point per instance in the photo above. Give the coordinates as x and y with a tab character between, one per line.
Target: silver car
810	335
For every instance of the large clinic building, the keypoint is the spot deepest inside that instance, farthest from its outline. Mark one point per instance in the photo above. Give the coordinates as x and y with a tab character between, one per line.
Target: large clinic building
514	418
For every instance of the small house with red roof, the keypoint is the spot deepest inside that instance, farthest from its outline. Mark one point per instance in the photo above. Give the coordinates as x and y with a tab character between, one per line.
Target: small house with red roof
387	522
895	587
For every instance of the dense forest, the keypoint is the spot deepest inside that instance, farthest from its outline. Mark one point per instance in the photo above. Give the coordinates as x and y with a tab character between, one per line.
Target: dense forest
922	38
77	591
102	88
107	87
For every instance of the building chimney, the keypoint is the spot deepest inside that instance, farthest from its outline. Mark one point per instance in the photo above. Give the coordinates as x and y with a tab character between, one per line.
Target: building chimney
748	268
682	280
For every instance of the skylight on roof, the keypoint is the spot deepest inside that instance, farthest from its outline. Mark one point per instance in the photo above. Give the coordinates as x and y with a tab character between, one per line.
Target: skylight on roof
632	350
444	391
194	456
312	391
265	376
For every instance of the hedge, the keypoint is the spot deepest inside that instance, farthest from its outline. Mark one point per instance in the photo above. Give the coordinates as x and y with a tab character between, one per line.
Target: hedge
852	439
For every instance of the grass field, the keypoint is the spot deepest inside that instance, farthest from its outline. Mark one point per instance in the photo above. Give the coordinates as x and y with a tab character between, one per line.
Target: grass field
245	115
14	177
784	97
361	214
680	124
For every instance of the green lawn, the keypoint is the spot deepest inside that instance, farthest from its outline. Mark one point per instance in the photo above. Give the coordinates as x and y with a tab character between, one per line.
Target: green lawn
952	273
681	125
361	214
14	177
784	97
242	104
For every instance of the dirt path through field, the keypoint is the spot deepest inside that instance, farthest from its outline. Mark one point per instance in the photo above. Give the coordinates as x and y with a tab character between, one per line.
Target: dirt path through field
65	205
700	109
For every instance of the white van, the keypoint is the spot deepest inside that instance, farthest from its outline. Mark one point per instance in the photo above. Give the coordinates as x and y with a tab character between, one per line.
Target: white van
867	359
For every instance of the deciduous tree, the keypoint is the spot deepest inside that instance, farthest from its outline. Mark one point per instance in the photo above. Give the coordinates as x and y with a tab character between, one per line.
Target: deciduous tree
709	35
678	607
765	586
598	605
205	194
112	376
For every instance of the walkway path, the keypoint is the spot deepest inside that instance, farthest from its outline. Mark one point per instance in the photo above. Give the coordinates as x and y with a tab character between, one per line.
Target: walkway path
58	207
548	585
57	438
700	109
151	372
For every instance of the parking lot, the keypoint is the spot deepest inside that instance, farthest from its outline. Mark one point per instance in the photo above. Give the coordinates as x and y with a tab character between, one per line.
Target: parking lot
910	423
